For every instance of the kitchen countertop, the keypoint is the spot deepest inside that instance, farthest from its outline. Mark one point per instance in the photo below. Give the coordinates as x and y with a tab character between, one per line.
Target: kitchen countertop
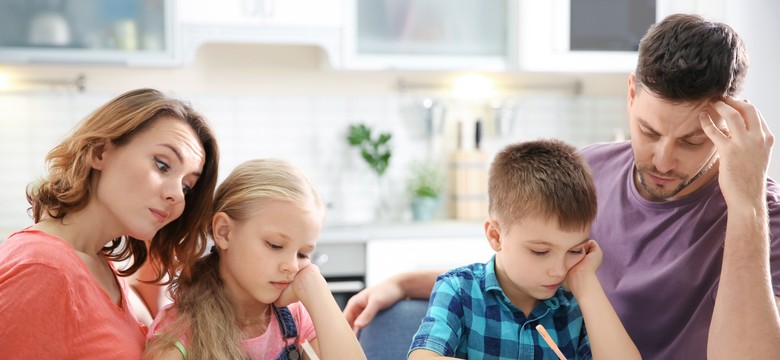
351	233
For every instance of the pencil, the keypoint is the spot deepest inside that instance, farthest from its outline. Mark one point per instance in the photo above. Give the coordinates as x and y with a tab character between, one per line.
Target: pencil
549	341
309	351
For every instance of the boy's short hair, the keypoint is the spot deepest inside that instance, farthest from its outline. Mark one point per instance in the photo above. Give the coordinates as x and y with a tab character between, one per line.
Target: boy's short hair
545	178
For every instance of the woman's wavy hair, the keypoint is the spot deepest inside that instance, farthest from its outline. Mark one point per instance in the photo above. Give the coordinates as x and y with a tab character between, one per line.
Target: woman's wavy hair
203	312
68	186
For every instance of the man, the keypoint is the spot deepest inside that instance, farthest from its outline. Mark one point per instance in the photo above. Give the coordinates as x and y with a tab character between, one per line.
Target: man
685	208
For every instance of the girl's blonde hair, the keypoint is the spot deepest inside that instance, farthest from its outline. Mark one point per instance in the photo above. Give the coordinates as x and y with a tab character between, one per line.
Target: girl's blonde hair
68	185
203	311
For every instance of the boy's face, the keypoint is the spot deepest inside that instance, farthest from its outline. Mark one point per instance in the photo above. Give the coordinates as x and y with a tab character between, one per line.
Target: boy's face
533	257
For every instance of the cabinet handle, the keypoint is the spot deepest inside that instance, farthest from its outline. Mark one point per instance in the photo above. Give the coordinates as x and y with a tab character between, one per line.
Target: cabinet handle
262	8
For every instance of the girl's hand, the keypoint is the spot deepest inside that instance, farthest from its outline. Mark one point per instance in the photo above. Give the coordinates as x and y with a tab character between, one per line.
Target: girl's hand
287	297
300	289
586	267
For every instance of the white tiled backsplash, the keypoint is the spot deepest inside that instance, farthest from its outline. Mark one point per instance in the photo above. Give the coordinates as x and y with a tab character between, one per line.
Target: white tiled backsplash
308	130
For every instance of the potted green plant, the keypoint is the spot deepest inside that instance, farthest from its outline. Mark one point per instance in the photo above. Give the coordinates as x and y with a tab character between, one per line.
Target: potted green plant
376	151
425	184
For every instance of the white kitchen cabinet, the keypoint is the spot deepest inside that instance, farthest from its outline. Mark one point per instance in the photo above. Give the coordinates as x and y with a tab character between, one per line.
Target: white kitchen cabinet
87	31
387	257
592	35
288	22
429	34
303	13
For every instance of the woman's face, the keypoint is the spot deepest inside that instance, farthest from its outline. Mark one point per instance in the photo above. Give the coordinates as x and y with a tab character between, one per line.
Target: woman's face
140	186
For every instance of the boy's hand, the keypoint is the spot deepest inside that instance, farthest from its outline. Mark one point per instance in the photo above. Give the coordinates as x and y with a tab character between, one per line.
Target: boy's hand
586	267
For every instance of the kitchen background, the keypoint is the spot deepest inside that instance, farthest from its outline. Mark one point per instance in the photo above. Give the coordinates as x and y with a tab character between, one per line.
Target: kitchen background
287	78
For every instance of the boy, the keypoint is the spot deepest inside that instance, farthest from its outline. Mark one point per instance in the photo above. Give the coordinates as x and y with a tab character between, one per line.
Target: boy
542	202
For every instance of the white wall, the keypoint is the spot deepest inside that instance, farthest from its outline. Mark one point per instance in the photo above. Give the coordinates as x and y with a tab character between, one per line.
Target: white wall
283	101
757	23
280	102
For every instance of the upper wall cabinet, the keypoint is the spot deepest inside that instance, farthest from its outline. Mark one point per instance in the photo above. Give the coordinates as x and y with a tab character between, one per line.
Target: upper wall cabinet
591	35
430	34
288	13
303	22
128	32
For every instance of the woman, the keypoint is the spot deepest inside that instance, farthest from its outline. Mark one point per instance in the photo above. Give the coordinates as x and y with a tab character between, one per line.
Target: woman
120	180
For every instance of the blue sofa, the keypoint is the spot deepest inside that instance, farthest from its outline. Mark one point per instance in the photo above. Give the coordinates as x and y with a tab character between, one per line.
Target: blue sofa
389	335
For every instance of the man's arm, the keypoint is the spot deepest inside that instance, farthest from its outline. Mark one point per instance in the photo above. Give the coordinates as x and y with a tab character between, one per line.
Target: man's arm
745	321
362	307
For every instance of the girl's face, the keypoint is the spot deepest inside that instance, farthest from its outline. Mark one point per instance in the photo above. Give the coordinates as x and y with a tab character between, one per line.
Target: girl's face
140	186
534	256
261	255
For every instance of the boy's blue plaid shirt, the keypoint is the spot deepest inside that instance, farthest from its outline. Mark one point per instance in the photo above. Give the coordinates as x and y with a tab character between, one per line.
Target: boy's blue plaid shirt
469	316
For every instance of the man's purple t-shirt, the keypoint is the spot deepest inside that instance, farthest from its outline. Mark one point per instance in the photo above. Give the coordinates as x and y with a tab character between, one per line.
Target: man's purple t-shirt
662	260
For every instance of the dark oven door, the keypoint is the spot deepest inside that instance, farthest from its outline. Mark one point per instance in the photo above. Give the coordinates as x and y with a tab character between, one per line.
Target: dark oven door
344	267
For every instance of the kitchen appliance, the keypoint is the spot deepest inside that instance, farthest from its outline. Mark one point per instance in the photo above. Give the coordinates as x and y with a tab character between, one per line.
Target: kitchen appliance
343	265
587	35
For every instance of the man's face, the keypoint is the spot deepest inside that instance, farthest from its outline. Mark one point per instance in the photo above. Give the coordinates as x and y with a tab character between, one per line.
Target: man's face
673	155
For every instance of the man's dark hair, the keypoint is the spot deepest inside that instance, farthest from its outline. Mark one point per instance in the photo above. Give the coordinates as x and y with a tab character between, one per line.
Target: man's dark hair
688	58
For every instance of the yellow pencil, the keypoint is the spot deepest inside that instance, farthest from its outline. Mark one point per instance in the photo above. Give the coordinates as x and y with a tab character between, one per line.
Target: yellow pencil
549	341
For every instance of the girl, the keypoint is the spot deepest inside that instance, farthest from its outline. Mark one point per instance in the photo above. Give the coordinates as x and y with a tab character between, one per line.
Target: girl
267	217
119	181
